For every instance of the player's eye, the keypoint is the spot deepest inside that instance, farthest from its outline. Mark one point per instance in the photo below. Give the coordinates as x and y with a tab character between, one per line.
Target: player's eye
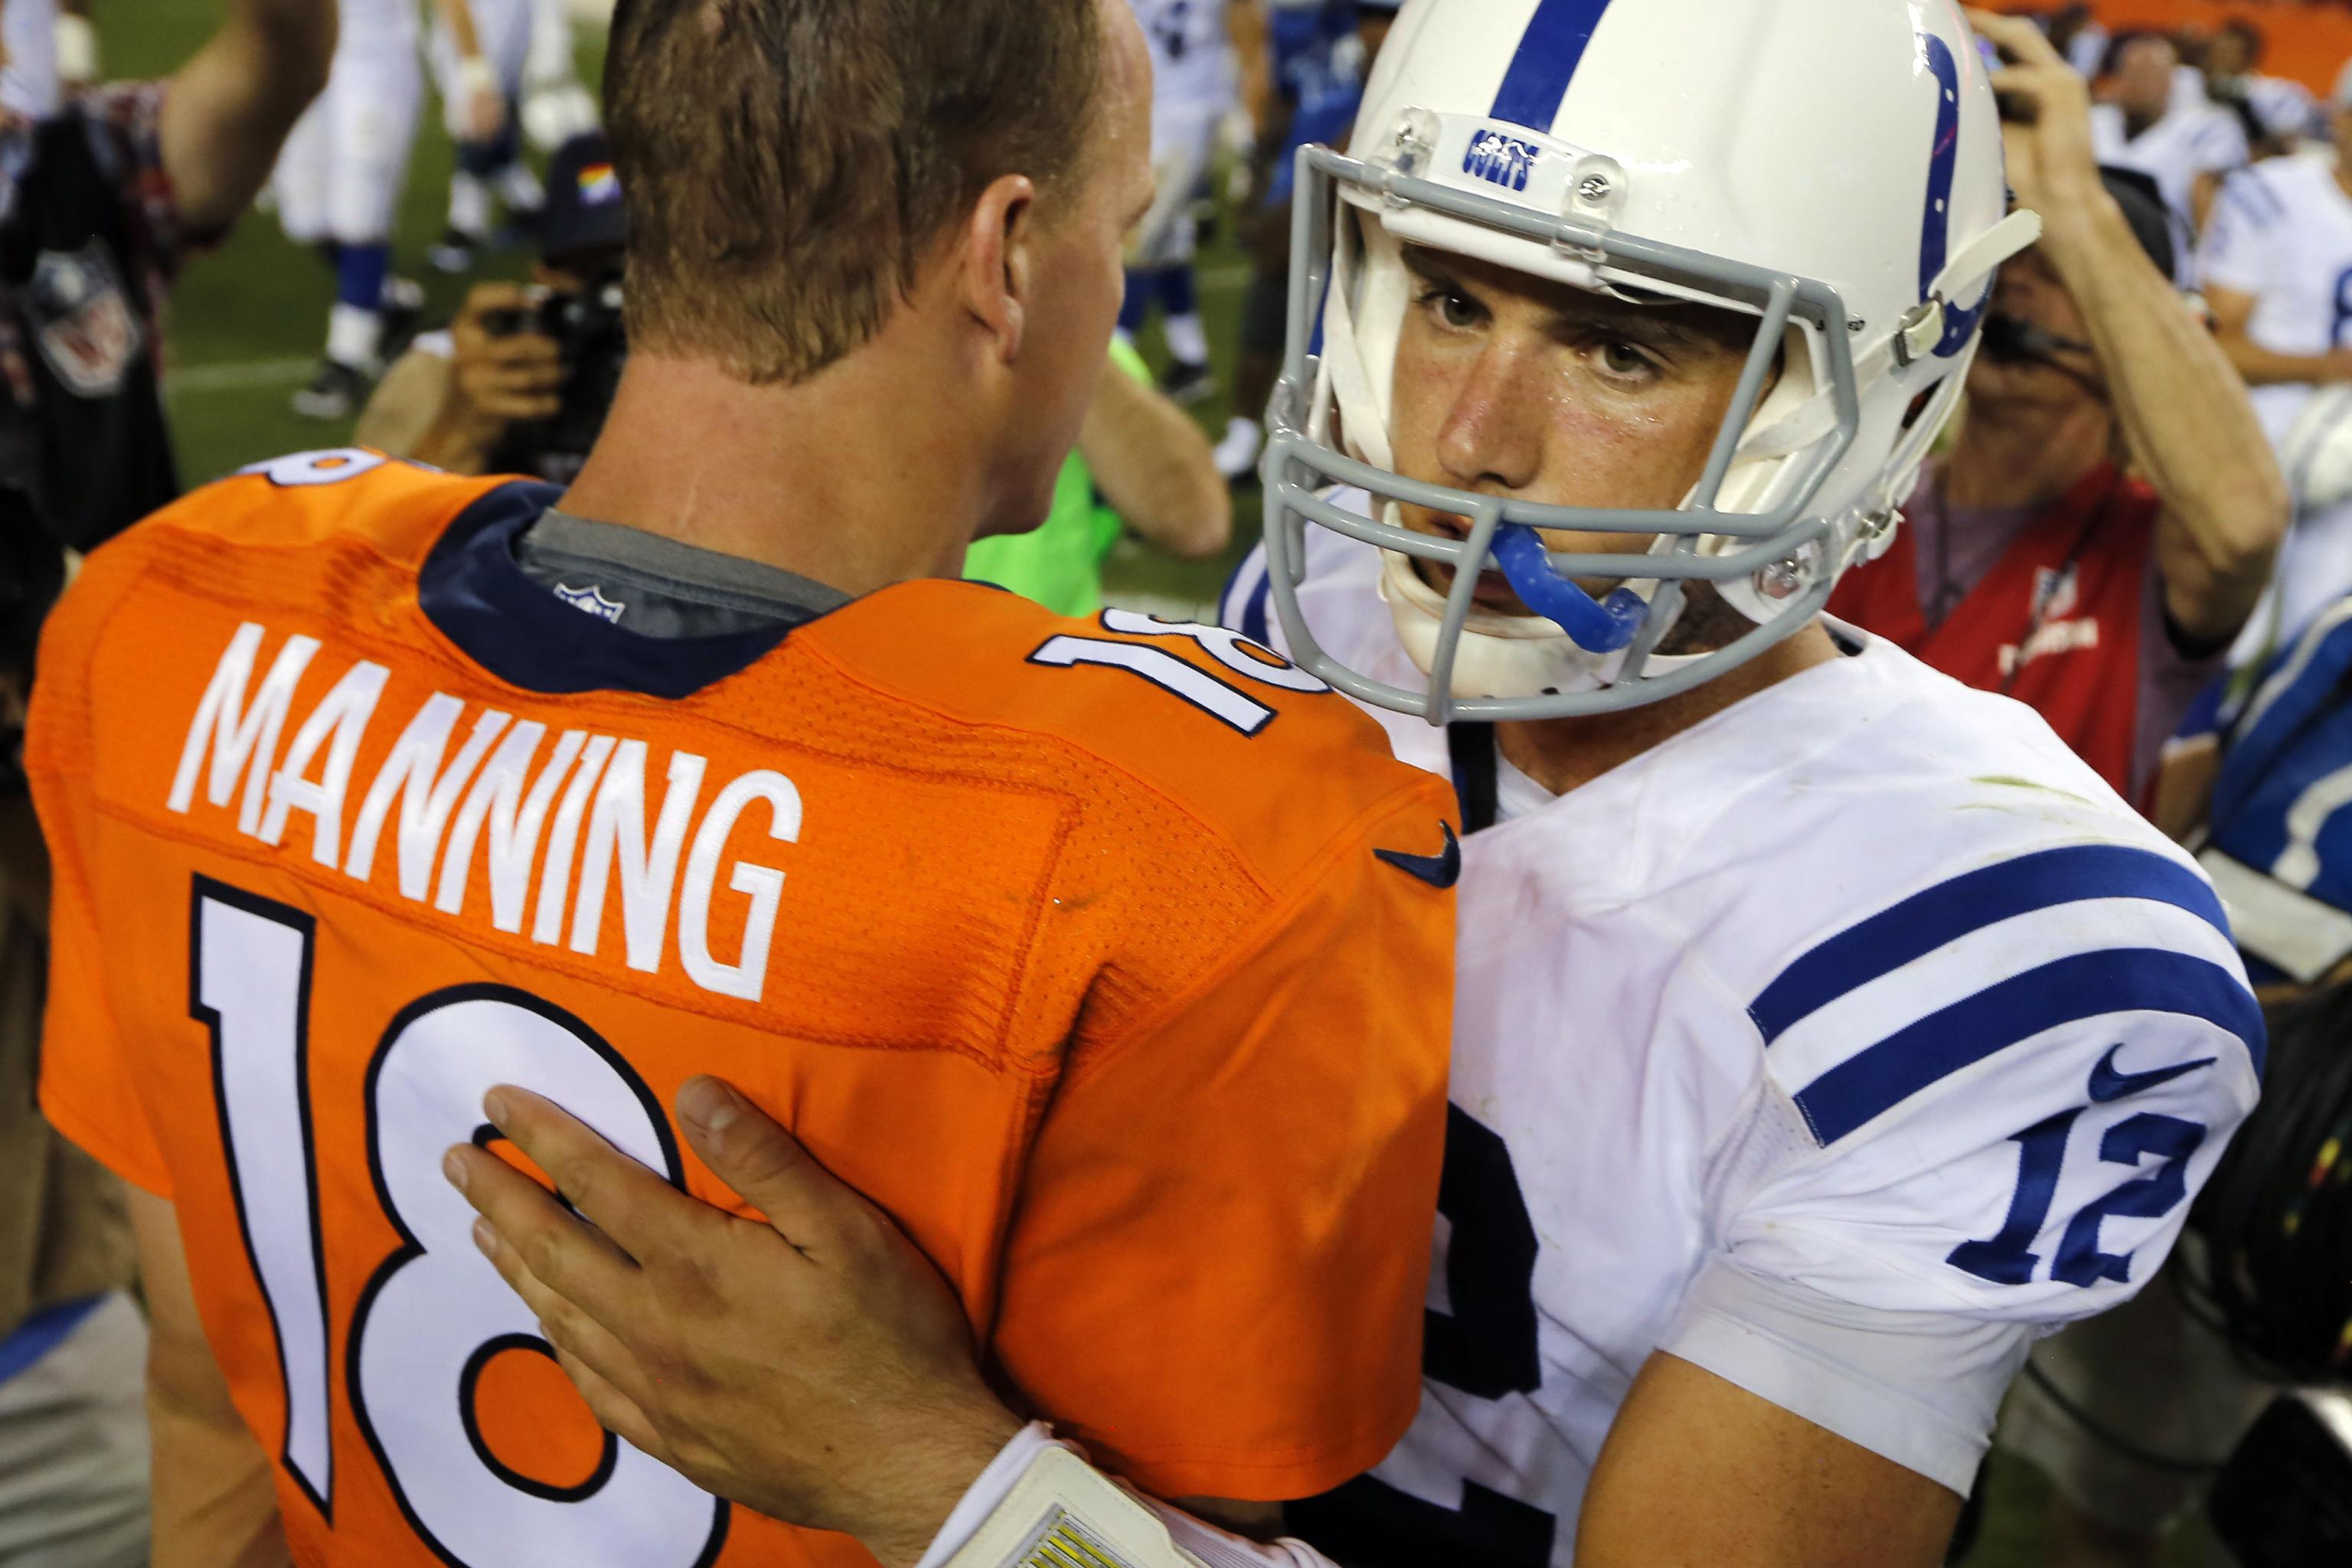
1451	308
1623	361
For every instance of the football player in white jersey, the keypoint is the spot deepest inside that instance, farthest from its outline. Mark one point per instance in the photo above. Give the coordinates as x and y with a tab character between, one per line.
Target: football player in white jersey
1193	91
480	50
1825	1032
2277	269
2180	140
338	185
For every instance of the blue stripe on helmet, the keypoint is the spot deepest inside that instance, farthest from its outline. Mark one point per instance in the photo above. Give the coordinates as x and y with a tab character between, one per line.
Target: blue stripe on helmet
1935	224
1549	51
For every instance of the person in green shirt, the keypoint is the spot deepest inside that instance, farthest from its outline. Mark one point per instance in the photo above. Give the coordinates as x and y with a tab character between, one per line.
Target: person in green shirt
1141	465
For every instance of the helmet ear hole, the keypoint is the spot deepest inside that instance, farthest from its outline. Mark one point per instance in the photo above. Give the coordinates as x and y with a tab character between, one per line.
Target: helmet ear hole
1918	410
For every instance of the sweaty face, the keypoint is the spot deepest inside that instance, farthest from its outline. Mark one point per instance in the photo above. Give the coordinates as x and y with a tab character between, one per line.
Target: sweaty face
1515	386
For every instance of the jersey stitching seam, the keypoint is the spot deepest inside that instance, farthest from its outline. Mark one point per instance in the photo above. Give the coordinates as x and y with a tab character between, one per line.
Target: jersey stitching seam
1223	839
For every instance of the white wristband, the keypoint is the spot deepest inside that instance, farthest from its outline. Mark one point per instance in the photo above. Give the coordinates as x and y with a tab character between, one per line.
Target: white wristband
989	1491
1039	1504
477	74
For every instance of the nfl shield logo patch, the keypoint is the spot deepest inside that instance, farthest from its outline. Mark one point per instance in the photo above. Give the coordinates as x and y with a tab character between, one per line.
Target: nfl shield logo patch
593	600
81	319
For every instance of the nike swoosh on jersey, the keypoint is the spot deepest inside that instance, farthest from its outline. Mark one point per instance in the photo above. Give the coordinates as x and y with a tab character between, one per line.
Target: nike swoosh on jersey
2108	1085
1440	870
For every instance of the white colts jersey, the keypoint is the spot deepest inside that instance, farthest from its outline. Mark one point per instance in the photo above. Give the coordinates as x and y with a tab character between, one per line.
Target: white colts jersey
2282	231
1839	1046
1189	68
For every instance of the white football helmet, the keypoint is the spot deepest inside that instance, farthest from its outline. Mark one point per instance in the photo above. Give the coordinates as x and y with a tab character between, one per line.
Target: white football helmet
1832	168
2317	452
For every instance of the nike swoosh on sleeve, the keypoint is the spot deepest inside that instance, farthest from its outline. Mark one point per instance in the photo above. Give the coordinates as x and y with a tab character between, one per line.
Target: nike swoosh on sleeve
2108	1085
1440	870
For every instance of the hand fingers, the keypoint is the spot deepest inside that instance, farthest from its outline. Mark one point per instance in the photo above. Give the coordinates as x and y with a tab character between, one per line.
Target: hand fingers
615	1411
530	393
643	1213
2016	37
536	1233
520	351
515	408
484	299
568	1327
746	1148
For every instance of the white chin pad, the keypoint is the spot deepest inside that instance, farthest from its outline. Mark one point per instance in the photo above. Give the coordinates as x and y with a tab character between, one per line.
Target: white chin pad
1499	655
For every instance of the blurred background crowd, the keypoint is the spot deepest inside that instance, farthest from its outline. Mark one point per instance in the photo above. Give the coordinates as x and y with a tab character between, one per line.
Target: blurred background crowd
204	265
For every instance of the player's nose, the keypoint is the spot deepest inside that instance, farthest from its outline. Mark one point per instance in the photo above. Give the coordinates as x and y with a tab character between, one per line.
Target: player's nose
1493	437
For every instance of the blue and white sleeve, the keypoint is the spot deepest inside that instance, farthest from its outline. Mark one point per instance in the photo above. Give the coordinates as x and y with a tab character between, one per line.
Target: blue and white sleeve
1985	1110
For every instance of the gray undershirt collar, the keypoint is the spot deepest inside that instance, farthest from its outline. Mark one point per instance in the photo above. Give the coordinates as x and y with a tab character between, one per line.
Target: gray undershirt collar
659	587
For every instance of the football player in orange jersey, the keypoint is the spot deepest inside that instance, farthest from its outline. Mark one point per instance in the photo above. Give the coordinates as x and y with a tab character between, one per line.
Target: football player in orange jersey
1110	955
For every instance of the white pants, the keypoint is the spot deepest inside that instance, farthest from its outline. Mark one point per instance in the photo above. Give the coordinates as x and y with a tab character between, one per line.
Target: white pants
340	173
73	1448
1183	141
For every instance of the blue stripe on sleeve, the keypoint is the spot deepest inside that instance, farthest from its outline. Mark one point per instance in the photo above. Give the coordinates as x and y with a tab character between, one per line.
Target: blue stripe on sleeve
1549	51
2067	991
1949	910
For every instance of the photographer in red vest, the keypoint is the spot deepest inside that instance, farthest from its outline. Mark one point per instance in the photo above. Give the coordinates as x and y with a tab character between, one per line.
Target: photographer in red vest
2110	513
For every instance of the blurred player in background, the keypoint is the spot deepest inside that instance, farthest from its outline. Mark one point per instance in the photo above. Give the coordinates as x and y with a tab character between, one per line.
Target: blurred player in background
555	106
371	787
1303	73
2281	113
2277	271
2182	142
481	52
1192	93
338	187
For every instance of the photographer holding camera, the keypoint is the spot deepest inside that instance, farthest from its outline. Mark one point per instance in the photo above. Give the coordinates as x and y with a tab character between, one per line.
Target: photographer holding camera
2108	519
521	382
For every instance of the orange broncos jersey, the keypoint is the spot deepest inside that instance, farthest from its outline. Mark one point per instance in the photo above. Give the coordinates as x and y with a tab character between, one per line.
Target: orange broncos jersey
1071	942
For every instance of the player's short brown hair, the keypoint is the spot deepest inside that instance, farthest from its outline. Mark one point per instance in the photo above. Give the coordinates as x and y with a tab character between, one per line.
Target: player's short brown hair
787	163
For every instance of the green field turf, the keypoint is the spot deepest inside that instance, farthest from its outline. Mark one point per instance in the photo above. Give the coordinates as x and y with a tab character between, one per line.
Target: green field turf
246	327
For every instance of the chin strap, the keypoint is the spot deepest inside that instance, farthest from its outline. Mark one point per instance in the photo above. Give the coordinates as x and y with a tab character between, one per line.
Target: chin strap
1362	425
1915	337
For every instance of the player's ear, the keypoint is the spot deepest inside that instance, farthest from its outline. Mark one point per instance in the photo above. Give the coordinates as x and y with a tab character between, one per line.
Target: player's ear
999	274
